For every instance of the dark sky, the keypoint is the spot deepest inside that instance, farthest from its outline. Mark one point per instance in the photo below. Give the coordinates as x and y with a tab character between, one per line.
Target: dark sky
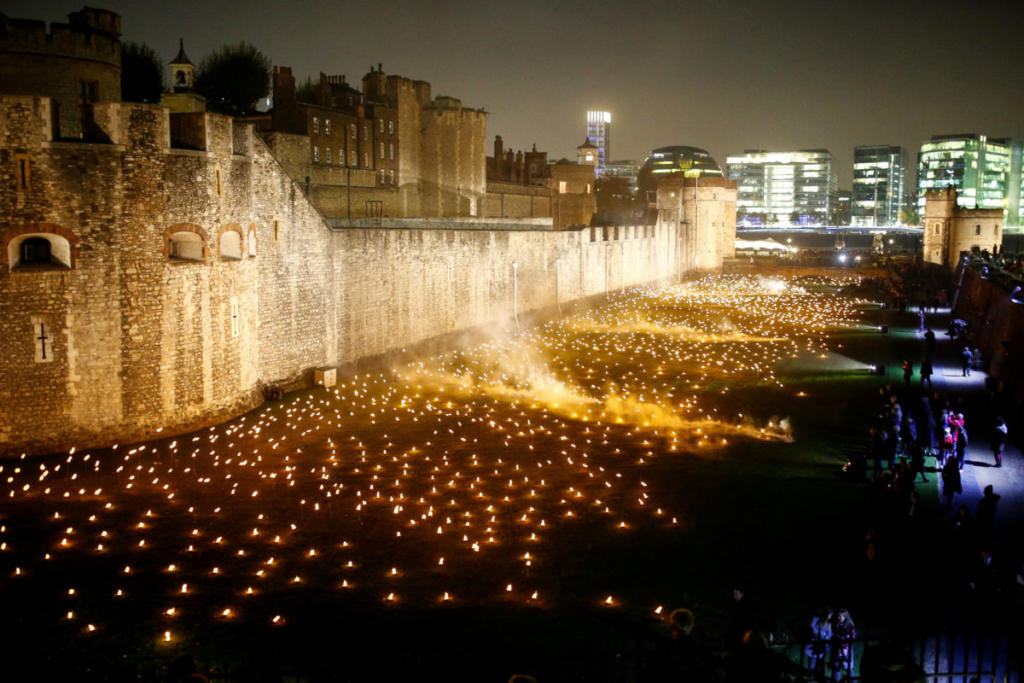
721	75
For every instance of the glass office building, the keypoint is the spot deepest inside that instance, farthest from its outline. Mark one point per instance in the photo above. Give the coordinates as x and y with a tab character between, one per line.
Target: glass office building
985	172
784	188
879	185
599	129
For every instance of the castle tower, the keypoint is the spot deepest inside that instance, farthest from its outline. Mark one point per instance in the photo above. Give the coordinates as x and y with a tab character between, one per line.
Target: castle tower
182	70
586	154
939	207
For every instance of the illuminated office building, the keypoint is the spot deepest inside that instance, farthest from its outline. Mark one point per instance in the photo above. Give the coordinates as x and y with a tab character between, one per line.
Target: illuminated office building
599	129
879	179
623	168
986	172
783	188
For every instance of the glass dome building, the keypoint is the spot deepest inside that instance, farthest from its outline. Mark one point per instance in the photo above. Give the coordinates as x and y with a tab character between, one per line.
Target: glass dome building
688	162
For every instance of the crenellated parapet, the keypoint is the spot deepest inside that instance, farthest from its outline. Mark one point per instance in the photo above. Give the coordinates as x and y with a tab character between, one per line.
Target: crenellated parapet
76	64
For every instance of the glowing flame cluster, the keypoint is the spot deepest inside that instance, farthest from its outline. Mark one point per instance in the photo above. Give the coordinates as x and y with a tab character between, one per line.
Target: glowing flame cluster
442	481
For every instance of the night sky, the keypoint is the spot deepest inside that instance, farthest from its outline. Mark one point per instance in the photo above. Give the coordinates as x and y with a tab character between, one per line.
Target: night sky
725	76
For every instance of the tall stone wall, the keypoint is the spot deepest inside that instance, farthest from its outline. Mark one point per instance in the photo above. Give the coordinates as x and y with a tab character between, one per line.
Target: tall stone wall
137	339
508	200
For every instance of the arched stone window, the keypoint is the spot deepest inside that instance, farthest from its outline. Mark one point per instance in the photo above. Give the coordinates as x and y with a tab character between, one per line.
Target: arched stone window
185	243
231	243
39	247
250	241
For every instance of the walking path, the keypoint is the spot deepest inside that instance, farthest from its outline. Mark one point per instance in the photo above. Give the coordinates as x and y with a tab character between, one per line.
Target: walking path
979	470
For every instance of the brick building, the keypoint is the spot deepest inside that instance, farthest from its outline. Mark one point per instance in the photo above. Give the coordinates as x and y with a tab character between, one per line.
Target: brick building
389	149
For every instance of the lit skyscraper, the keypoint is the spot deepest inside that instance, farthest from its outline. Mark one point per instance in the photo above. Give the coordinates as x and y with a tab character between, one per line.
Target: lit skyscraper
599	125
986	172
879	177
797	188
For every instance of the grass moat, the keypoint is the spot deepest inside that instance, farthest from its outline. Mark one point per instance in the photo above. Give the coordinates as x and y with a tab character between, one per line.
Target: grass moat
532	503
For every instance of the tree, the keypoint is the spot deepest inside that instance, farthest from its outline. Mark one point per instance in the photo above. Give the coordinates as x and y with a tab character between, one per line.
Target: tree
233	78
909	215
142	73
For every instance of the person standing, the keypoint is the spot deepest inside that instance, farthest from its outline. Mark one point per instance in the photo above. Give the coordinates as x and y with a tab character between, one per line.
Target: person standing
908	435
987	509
817	648
908	372
965	360
951	481
998	440
843	633
929	342
926	372
926	426
960	444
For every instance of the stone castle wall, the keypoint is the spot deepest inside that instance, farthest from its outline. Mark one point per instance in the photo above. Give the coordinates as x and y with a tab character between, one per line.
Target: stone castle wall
55	63
137	341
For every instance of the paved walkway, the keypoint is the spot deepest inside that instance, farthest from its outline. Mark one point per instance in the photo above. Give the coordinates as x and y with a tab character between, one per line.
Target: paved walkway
979	470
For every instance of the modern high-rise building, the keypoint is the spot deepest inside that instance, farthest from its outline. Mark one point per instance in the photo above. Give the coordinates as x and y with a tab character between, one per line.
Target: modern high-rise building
798	188
986	172
879	185
599	128
622	168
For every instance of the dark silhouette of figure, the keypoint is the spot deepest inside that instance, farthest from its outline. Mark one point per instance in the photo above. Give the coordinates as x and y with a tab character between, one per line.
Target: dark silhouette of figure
926	373
951	481
998	440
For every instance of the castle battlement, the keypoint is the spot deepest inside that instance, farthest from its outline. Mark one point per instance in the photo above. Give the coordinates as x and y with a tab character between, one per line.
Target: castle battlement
128	125
90	34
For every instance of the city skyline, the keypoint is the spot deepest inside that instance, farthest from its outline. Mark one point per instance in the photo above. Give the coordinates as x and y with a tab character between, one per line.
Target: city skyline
810	76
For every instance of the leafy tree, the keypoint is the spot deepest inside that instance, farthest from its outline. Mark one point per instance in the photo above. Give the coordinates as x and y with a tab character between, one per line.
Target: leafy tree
910	216
233	78
142	73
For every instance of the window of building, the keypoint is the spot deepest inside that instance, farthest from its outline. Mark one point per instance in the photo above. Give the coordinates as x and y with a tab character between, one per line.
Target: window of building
327	126
327	155
250	241
562	187
316	125
588	188
22	172
380	125
220	185
353	158
316	153
977	229
231	244
277	229
995	229
352	130
366	133
35	250
382	176
382	150
185	245
366	160
391	151
391	173
234	317
40	247
391	126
